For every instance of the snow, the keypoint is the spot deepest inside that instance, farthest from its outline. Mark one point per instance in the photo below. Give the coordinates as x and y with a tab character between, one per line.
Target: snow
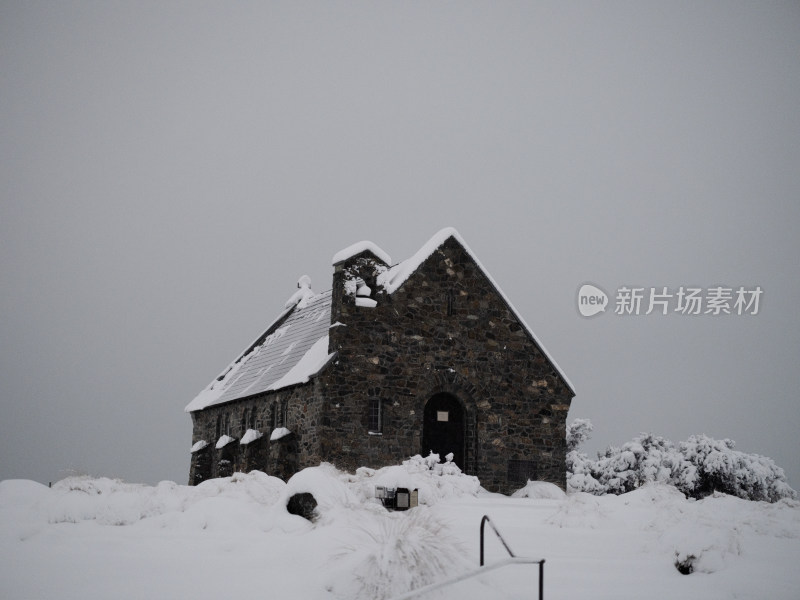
94	537
540	490
312	363
264	367
214	390
696	467
278	433
303	295
366	302
358	248
392	279
251	435
223	441
198	446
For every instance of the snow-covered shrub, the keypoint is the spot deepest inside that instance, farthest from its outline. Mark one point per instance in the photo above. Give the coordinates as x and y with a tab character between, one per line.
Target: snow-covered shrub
579	466
720	468
697	467
644	459
578	432
399	552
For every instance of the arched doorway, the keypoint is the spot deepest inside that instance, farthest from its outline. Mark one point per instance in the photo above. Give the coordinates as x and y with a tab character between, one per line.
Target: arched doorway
443	428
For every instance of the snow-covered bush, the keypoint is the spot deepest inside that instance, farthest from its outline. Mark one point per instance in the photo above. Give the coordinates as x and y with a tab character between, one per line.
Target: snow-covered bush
720	468
698	467
578	432
579	466
644	459
399	552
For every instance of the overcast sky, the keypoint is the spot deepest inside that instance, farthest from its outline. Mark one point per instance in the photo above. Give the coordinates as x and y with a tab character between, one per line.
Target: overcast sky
168	170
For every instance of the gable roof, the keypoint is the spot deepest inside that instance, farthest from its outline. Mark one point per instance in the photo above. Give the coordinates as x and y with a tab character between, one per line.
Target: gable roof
395	277
291	350
294	347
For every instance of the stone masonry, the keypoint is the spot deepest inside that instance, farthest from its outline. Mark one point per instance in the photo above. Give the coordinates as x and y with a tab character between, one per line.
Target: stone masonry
445	330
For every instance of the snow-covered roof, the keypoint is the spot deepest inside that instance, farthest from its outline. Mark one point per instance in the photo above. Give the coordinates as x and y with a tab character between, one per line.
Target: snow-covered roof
251	435
358	248
294	347
292	350
198	446
279	433
223	441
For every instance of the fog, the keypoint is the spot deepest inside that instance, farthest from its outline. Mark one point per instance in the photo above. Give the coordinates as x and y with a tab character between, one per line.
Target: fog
168	171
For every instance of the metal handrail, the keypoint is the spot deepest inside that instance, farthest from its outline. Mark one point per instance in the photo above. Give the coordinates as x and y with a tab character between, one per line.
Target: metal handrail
513	560
485	520
517	560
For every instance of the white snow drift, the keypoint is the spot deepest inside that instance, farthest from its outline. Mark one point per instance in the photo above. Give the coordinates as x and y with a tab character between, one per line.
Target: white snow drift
233	537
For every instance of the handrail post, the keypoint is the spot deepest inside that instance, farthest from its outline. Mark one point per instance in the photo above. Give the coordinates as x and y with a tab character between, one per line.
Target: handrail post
541	579
483	521
497	533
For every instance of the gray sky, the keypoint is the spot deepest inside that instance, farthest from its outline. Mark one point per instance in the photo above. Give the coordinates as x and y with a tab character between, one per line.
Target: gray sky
168	171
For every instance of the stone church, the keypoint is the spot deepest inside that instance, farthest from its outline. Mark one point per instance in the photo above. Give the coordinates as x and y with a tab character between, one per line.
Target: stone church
426	355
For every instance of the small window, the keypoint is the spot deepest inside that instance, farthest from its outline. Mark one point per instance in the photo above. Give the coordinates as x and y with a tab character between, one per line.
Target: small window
451	301
376	416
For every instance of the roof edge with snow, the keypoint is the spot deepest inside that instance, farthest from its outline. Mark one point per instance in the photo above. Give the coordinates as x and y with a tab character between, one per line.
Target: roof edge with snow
358	248
395	277
307	366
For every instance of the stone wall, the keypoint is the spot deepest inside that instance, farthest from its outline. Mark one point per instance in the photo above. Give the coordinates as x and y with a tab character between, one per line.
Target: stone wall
445	330
297	408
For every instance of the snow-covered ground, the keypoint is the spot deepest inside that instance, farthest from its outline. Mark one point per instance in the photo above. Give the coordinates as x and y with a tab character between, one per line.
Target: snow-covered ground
233	538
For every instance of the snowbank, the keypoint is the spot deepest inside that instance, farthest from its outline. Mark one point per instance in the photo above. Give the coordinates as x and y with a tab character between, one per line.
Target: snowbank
540	490
86	536
436	482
